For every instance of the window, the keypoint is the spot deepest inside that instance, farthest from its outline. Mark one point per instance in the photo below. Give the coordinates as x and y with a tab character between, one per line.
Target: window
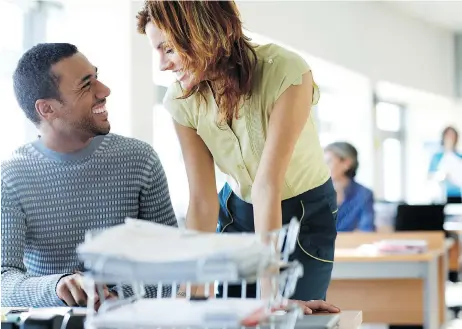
390	150
11	20
388	117
12	128
168	148
392	169
55	26
325	113
161	78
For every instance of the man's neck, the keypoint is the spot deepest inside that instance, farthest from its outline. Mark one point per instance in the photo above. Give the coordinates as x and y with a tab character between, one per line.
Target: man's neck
65	143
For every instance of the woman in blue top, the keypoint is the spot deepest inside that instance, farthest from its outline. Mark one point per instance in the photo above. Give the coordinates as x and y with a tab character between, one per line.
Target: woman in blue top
355	202
449	140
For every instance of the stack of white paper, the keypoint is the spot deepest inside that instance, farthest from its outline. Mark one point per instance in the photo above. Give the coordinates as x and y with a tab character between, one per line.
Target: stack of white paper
212	313
402	246
146	242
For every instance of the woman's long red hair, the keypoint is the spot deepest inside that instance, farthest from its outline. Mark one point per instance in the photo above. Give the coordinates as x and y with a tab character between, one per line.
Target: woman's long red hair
209	38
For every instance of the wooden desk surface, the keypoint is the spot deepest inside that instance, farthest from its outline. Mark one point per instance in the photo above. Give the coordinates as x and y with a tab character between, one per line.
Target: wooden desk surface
401	297
346	246
353	255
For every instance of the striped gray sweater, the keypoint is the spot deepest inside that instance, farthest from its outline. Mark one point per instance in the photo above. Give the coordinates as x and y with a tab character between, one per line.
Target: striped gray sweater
49	200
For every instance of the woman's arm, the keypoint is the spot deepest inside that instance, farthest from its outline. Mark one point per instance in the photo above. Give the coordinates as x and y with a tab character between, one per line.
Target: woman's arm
203	206
288	117
433	167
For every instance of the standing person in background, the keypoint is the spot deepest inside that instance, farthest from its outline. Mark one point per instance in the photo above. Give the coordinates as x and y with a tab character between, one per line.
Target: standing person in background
248	109
355	201
441	163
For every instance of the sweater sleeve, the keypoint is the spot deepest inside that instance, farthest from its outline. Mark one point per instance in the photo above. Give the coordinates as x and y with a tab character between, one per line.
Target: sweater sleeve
19	288
155	206
155	203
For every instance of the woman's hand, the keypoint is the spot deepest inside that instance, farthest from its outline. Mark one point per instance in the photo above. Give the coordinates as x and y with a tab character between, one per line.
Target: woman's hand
310	307
314	306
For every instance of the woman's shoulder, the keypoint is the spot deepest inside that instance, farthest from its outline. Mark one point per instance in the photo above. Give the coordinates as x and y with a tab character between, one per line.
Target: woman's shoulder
278	62
363	190
274	53
172	94
181	109
278	68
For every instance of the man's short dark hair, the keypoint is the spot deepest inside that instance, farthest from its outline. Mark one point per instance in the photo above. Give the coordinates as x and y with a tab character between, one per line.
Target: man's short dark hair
33	79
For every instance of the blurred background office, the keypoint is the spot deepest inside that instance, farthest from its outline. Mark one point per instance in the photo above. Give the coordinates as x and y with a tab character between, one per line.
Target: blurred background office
389	73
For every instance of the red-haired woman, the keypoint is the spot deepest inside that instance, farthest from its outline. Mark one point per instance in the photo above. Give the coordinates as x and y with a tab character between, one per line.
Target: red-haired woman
247	109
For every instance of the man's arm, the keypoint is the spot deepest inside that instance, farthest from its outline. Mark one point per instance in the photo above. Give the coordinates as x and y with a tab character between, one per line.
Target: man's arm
155	206
155	203
20	289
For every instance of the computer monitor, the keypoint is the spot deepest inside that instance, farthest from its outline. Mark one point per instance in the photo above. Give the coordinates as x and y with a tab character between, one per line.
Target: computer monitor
419	217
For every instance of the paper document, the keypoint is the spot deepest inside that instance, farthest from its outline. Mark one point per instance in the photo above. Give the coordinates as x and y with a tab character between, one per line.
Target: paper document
181	312
451	165
146	242
402	246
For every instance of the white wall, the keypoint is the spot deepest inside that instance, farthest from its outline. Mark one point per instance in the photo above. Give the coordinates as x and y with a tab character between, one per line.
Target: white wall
106	33
366	37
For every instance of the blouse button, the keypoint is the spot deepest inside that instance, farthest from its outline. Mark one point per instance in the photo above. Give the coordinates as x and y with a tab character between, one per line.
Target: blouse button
270	61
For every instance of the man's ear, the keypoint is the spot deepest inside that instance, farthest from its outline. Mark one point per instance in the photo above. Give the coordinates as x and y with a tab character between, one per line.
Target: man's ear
45	110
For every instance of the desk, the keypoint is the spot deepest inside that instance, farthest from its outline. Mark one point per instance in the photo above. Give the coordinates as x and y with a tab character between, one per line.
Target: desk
454	255
391	289
351	319
348	319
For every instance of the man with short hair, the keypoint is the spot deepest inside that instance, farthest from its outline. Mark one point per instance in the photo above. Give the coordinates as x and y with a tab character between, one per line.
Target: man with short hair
76	177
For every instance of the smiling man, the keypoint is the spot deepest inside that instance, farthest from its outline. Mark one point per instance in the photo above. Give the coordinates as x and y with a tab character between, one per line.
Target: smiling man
76	177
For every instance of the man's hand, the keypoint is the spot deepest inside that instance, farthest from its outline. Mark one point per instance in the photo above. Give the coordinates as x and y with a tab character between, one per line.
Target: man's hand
313	306
71	290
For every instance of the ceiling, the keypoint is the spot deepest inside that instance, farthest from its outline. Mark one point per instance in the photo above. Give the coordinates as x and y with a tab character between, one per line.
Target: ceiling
446	14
